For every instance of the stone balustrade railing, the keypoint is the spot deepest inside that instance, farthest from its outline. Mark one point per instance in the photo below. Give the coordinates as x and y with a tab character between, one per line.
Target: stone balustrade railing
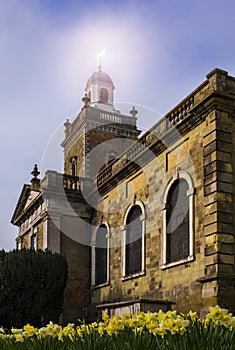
181	111
71	182
174	117
104	175
58	182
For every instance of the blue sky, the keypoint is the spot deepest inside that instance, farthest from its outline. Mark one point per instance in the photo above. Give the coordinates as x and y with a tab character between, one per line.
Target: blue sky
157	53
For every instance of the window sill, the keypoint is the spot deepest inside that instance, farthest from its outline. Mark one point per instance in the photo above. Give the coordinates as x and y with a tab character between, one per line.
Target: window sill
97	286
135	275
176	263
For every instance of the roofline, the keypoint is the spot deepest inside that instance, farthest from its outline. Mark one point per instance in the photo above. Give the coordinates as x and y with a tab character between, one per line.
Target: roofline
18	214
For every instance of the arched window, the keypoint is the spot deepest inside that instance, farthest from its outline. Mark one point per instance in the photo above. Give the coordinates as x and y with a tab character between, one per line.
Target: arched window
104	95
73	162
177	232
101	255
110	157
134	242
178	221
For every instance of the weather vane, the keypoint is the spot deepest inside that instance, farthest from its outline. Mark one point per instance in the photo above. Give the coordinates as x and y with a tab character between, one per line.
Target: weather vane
99	56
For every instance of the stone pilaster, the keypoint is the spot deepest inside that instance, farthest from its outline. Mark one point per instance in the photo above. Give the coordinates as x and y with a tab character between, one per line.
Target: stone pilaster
53	236
218	194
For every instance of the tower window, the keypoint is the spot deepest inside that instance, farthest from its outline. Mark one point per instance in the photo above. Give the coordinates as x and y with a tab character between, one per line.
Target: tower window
104	95
110	157
73	166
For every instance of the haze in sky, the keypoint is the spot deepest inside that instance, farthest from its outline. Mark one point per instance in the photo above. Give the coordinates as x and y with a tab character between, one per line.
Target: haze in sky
157	52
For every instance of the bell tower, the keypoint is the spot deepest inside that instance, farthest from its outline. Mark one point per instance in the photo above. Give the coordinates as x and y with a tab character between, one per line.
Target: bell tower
99	133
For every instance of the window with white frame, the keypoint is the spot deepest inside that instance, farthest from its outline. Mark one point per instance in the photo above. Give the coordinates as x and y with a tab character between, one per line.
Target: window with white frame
178	221
100	256
133	248
33	241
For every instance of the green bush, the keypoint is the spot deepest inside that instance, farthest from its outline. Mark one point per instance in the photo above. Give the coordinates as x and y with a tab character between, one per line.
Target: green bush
31	287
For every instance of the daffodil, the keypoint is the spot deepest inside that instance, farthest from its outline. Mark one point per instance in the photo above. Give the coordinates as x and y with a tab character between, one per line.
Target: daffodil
29	331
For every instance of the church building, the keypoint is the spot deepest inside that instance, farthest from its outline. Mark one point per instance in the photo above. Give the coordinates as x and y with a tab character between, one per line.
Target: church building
146	222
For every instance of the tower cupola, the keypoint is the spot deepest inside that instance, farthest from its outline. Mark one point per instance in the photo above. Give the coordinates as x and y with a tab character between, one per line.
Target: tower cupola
100	89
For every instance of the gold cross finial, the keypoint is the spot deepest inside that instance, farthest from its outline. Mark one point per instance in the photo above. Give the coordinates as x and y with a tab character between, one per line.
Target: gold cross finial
99	56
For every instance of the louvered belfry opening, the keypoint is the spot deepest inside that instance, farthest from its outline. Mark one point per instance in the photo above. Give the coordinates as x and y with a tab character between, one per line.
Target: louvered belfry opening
177	238
101	252
134	241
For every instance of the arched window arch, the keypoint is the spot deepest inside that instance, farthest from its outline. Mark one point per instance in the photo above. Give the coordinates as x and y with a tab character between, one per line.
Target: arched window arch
104	95
100	255
134	243
177	236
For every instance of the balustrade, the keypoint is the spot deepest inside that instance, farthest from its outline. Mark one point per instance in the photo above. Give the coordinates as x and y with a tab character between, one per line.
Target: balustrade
71	182
181	112
174	117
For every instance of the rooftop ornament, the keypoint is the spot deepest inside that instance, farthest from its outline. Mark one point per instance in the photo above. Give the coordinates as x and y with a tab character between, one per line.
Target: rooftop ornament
133	112
86	99
35	181
35	171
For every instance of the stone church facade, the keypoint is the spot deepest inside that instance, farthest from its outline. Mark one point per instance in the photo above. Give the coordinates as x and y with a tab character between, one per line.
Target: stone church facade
145	221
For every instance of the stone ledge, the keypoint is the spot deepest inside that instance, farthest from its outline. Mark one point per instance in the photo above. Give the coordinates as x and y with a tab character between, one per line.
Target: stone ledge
217	71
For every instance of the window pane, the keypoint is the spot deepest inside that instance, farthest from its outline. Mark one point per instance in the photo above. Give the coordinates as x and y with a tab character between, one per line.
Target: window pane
33	242
104	95
134	241
101	255
178	222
